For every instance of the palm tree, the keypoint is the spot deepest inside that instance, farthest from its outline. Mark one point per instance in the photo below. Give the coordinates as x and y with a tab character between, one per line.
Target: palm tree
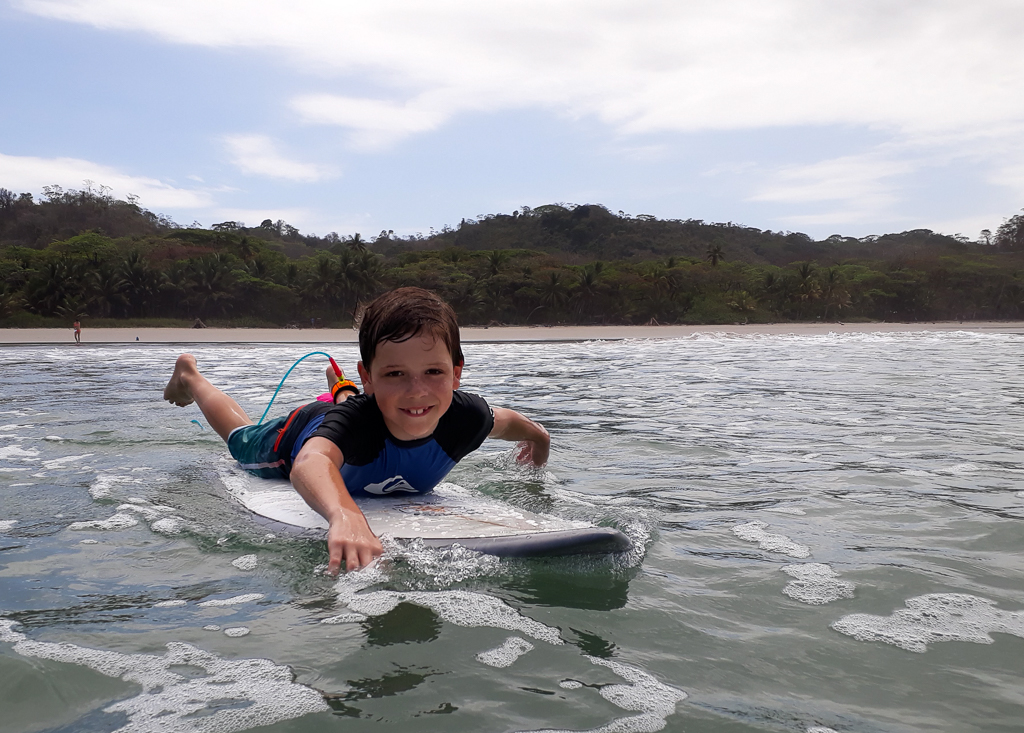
743	302
714	254
496	260
587	290
833	292
553	294
59	282
357	244
141	283
321	287
247	250
209	284
106	288
9	300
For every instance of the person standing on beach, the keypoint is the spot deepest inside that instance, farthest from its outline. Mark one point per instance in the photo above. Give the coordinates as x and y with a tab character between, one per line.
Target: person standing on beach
78	331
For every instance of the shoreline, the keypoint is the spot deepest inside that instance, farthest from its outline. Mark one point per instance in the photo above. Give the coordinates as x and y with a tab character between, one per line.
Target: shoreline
29	336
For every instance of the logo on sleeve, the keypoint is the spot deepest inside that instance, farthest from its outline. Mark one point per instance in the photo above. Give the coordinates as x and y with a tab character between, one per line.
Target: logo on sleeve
393	484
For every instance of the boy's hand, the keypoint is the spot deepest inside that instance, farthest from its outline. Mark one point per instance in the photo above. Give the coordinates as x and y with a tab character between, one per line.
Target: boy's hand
534	441
533	451
351	546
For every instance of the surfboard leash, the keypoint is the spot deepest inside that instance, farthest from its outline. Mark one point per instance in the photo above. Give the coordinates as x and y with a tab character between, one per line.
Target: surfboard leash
334	366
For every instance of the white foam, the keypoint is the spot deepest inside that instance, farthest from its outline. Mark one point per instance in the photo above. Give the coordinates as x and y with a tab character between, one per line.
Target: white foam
1020	494
7	524
786	510
816	584
101	487
234	601
145	509
170	604
933	618
88	542
236	631
167	525
506	654
246	562
755	532
172	703
58	462
55	438
459	607
344	618
211	627
121	520
645	694
821	729
570	684
17	452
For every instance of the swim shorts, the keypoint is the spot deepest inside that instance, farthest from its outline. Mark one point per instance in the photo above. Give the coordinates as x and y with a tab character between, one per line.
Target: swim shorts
253	447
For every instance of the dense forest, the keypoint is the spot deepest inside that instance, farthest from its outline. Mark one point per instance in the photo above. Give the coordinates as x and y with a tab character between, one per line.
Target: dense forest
84	254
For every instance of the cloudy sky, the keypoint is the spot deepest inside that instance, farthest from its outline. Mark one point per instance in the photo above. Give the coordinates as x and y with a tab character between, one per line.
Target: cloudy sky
825	116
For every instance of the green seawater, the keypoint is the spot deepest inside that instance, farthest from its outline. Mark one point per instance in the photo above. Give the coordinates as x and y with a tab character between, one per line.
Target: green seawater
828	535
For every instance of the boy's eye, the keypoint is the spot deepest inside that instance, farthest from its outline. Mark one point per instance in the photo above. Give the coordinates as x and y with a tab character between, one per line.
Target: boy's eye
393	373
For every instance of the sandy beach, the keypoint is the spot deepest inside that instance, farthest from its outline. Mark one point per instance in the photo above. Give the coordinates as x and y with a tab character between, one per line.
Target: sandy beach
10	336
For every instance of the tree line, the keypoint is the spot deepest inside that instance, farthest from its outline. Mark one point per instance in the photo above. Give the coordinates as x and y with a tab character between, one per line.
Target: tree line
81	254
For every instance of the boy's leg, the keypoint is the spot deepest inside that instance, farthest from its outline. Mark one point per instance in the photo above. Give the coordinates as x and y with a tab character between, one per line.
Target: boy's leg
333	379
187	385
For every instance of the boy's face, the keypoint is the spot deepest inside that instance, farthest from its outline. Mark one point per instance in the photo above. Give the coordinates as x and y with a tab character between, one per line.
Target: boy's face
413	383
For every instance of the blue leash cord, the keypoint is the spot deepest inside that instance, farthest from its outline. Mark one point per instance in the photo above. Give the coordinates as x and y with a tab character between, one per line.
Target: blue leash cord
311	353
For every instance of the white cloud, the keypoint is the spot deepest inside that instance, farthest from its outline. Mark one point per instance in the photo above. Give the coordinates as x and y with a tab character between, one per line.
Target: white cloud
28	173
257	155
374	123
864	181
641	67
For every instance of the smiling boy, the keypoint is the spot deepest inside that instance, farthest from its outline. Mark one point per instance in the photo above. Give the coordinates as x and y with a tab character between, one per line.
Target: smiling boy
403	435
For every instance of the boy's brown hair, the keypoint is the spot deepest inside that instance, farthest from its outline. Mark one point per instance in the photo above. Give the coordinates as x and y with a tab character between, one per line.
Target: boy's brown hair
401	314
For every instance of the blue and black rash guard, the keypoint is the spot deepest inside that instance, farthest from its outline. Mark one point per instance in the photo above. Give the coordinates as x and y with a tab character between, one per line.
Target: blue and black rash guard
378	463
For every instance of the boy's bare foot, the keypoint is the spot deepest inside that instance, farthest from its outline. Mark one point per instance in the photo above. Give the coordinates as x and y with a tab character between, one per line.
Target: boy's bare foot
331	377
177	391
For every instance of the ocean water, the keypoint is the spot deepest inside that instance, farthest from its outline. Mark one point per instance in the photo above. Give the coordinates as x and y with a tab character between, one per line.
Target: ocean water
828	533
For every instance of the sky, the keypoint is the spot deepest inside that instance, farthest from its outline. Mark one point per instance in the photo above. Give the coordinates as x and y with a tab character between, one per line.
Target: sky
851	117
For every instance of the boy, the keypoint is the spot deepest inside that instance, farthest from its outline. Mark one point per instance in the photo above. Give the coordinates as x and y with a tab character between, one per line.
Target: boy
404	434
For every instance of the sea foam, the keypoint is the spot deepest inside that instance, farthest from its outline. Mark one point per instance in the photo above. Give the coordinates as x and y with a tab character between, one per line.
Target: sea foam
755	532
506	654
233	601
260	692
816	584
933	618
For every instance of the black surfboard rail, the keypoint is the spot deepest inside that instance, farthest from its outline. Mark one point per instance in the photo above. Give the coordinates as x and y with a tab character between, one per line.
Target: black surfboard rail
557	543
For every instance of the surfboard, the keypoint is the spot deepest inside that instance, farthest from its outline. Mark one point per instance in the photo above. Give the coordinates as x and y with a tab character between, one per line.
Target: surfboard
446	516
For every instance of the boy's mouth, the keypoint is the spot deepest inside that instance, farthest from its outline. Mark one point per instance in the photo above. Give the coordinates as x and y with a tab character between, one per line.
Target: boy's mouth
416	411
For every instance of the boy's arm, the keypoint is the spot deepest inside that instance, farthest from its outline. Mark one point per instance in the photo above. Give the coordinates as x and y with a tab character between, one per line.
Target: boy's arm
534	441
316	476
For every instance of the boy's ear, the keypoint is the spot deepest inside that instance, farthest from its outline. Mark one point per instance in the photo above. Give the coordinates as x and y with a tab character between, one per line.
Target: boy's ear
458	375
364	377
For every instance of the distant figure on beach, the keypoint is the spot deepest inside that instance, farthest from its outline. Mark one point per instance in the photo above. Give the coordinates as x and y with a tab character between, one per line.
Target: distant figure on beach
78	331
199	324
403	435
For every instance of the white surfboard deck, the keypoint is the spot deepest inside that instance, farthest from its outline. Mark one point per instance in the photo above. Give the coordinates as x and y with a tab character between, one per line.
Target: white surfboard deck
447	515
